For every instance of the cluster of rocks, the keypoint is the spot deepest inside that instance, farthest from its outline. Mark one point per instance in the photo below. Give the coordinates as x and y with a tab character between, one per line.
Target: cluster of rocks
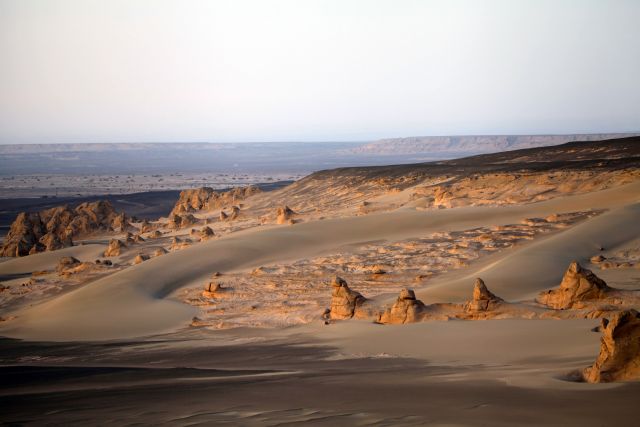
206	198
55	228
619	358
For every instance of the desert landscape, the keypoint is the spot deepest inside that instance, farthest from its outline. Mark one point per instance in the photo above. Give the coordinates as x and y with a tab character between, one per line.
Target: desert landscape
320	213
510	280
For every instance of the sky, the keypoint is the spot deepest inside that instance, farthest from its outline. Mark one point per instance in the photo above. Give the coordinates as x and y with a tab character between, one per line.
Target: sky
304	70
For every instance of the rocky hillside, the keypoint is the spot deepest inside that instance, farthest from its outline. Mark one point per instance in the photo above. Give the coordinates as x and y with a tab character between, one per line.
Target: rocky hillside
472	144
518	176
55	228
206	198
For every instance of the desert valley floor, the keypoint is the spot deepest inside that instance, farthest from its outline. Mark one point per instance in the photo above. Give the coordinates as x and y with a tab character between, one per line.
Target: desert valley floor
498	289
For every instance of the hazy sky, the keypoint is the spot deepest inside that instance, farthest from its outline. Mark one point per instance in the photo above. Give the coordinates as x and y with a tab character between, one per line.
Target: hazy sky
239	70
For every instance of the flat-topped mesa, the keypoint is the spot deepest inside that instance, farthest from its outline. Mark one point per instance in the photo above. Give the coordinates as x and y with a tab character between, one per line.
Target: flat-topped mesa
115	248
578	286
344	301
619	358
483	299
284	215
206	198
54	228
406	309
181	221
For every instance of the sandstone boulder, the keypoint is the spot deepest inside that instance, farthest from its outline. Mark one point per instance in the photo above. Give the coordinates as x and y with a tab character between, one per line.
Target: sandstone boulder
206	233
284	215
66	263
159	251
619	358
344	301
483	299
115	248
235	212
181	221
156	234
213	289
223	216
140	258
578	286
406	309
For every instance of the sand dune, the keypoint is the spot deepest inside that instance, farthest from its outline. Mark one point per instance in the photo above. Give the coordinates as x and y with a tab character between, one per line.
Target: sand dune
134	301
48	260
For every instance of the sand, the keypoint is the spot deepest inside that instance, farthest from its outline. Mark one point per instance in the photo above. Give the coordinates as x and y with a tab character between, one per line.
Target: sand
155	369
135	299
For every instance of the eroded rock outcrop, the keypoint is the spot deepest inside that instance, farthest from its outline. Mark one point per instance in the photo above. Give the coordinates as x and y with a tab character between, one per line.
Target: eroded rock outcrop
284	215
160	251
181	221
235	212
140	258
206	198
406	309
54	228
619	358
66	263
483	299
344	301
578	286
206	233
115	248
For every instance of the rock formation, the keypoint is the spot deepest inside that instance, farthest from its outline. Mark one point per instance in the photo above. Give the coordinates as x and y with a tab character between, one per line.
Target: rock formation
578	286
140	258
115	247
344	301
223	216
66	263
206	233
213	289
54	228
181	221
206	198
483	299
156	234
159	251
406	309
235	212
619	358
284	215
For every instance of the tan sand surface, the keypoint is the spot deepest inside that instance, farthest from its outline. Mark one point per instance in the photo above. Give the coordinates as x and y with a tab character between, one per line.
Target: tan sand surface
134	300
49	260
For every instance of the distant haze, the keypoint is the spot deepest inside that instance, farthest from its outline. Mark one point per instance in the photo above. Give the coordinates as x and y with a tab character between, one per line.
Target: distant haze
80	71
